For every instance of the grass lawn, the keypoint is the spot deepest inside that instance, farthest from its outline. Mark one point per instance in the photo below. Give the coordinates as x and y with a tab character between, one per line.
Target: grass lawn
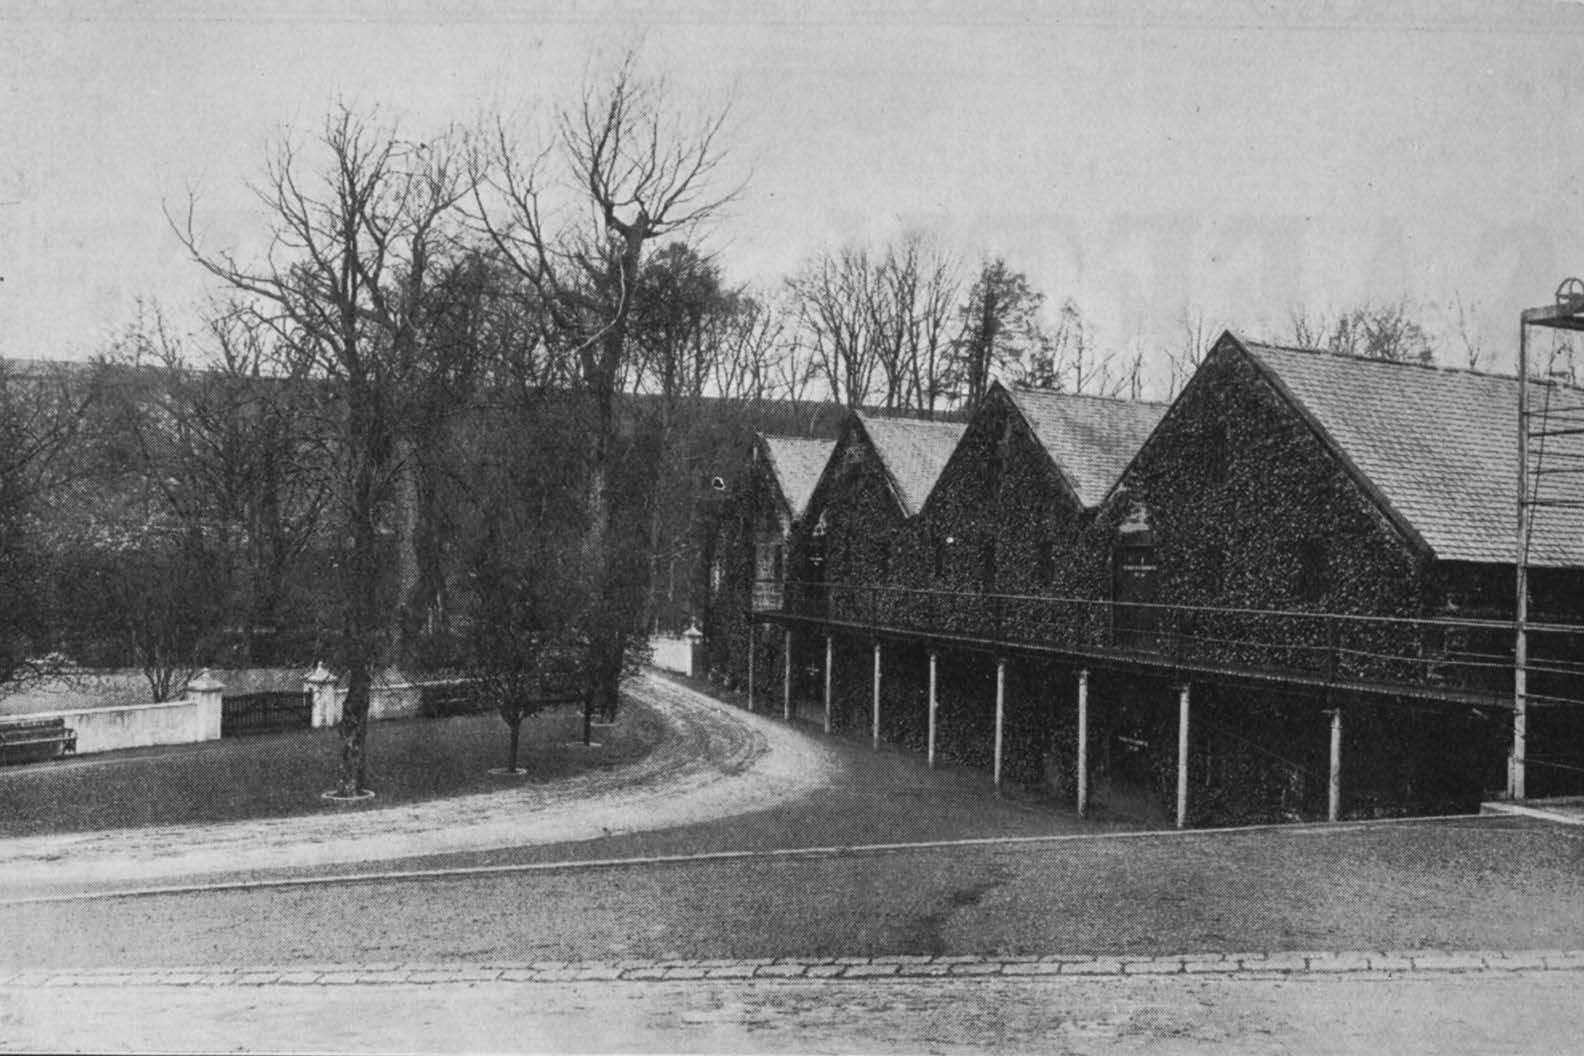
282	774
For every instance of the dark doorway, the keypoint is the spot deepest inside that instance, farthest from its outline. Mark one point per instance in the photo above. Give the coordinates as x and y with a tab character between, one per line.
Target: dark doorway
1135	590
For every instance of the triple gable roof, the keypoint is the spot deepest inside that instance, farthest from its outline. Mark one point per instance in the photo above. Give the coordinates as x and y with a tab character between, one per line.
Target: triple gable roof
1436	447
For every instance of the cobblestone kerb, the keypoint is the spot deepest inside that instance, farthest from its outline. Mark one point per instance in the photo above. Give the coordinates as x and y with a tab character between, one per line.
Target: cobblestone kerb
1382	964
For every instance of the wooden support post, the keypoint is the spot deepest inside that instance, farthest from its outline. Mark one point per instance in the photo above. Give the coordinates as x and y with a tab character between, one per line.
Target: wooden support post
1182	756
933	708
875	722
1000	718
1517	761
1334	799
751	637
830	654
786	677
1083	742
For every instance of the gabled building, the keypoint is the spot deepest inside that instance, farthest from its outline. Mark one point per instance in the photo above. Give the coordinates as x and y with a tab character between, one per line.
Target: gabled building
1029	472
748	571
789	468
1292	479
879	475
1190	600
1000	526
1342	525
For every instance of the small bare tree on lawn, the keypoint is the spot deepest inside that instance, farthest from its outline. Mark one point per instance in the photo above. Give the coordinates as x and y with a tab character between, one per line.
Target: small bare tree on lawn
524	583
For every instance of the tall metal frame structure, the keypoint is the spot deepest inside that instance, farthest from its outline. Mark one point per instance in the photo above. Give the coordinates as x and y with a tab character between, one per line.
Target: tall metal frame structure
1535	426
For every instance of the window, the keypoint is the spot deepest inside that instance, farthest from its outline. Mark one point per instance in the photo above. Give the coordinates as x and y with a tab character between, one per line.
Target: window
765	561
816	545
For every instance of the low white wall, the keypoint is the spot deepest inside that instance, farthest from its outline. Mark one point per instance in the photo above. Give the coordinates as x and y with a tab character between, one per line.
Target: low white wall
399	701
675	653
141	725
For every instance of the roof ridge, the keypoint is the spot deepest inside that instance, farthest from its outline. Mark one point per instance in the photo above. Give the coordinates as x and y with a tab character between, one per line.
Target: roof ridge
1439	368
1033	390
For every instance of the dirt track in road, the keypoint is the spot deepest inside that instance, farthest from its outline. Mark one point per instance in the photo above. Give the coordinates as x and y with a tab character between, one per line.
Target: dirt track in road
714	761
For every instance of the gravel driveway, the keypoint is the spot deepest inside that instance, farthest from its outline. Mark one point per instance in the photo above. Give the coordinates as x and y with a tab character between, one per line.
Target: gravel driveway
714	761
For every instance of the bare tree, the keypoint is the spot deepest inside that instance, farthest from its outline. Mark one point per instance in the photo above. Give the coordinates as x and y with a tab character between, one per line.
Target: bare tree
1195	339
834	298
1373	331
1071	360
756	358
355	236
42	413
877	325
915	305
642	174
1467	334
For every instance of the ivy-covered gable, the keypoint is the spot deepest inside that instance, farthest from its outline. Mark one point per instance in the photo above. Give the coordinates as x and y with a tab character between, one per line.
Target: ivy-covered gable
998	515
846	534
1235	501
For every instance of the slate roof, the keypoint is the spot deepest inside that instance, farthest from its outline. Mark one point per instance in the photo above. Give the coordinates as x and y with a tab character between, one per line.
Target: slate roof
796	464
914	451
1438	447
1090	438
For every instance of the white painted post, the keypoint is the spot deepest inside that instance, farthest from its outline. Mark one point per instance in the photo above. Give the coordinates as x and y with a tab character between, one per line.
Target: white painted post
1000	720
933	708
1182	756
1334	801
694	639
321	687
786	678
830	654
205	691
1517	764
875	723
1083	742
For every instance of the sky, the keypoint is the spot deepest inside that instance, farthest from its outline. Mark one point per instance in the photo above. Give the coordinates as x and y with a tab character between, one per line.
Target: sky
1152	162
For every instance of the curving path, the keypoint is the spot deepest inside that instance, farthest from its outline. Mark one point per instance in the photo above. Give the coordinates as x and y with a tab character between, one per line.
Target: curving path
714	761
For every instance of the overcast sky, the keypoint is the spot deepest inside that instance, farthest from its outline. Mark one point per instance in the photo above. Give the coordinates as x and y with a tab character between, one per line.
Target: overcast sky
1144	162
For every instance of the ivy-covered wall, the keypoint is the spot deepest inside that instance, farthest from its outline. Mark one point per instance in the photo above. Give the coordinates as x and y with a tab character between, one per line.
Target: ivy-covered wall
846	536
996	516
756	511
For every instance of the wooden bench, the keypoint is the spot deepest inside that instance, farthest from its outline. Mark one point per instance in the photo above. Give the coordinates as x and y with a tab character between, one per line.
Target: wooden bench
25	740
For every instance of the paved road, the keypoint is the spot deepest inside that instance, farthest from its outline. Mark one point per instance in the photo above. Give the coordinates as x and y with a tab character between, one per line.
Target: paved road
1454	883
827	921
1432	1013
